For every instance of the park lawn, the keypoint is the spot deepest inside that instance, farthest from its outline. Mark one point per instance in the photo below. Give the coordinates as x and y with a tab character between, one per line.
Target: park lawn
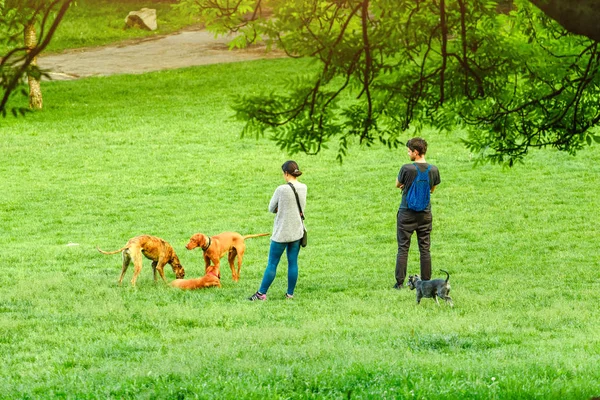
90	23
112	158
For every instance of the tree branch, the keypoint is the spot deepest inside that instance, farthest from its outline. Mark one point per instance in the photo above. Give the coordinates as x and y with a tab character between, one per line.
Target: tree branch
12	84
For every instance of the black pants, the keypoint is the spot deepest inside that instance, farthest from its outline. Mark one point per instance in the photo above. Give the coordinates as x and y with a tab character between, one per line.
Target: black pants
408	222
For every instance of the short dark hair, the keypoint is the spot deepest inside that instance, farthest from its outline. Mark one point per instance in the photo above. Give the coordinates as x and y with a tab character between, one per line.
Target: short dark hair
418	144
291	167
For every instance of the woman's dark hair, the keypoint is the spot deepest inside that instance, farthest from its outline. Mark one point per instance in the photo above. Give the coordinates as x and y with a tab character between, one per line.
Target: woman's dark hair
417	144
291	167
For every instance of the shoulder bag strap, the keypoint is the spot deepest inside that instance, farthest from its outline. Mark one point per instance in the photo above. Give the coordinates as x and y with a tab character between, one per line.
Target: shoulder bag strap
297	200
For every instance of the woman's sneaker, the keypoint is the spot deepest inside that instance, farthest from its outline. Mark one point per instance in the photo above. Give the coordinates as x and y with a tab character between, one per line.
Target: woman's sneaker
289	296
258	296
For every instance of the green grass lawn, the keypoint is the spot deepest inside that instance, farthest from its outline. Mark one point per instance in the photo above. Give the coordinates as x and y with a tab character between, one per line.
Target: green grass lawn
112	158
100	22
90	23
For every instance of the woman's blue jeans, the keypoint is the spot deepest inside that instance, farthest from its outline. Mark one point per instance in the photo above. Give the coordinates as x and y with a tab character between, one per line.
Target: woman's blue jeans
275	252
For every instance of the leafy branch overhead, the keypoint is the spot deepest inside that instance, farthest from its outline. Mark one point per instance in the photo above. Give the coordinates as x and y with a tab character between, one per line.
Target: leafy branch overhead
505	71
16	17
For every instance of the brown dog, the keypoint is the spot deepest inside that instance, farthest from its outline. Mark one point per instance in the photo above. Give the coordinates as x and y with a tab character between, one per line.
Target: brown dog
155	249
212	278
215	247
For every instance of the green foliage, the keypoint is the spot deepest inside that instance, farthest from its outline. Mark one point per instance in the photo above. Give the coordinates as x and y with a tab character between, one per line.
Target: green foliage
17	61
95	168
512	77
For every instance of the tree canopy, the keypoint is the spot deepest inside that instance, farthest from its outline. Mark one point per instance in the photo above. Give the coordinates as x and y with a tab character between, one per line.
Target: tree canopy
505	71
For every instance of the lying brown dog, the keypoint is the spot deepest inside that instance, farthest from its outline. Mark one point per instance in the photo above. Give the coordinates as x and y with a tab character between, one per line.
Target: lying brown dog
155	249
212	278
215	247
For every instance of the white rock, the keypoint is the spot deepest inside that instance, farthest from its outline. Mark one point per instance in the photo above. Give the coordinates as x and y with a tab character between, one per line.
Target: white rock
144	18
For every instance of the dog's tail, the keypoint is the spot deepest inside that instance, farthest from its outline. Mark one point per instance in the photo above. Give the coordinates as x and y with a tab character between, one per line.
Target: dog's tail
448	275
111	252
256	235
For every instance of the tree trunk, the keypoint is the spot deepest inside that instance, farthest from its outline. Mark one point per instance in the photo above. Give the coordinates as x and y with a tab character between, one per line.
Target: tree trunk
35	89
577	16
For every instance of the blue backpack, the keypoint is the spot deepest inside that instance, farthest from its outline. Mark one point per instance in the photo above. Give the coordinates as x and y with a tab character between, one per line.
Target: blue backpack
417	198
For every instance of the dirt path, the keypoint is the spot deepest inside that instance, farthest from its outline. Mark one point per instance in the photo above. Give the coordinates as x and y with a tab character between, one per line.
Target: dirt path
182	49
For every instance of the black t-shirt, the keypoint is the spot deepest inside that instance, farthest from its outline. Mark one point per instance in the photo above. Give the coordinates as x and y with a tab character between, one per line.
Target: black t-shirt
407	175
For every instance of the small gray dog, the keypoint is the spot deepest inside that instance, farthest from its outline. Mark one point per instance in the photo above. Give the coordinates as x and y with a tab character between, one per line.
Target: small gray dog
433	289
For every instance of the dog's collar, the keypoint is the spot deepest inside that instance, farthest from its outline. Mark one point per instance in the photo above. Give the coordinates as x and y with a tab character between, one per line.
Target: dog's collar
213	274
208	245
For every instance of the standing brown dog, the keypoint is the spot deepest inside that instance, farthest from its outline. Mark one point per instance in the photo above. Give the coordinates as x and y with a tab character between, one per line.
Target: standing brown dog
155	249
215	247
212	278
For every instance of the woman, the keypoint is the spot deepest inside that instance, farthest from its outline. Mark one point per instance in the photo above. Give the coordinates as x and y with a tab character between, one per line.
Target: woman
288	229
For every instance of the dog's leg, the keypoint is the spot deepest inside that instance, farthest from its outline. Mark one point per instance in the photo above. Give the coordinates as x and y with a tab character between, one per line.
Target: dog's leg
449	300
436	300
206	264
126	261
160	267
137	265
154	269
231	259
419	296
217	264
240	256
445	294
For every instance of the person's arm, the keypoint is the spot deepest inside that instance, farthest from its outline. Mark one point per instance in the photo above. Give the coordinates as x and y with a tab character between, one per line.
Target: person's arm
401	178
274	202
436	179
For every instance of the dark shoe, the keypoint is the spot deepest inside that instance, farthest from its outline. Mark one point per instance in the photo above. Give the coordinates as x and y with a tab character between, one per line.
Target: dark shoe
258	296
398	286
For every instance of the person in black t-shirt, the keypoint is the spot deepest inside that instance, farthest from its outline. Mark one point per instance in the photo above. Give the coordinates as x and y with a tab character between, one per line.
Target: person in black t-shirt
409	221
